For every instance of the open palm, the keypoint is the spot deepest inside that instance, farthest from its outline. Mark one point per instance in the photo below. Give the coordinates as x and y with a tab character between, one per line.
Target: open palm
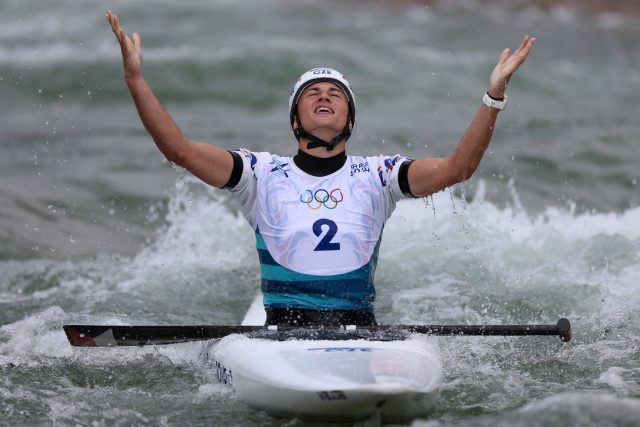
507	65
130	47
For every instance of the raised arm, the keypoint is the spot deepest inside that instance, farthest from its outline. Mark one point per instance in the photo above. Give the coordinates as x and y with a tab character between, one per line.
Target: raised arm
430	175
211	164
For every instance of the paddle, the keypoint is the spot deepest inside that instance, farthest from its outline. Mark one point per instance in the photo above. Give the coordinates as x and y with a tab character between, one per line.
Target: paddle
108	336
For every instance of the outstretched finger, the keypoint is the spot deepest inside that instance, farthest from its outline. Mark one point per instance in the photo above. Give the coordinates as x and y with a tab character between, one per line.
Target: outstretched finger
135	37
116	22
504	56
110	20
115	25
125	41
525	46
122	36
523	43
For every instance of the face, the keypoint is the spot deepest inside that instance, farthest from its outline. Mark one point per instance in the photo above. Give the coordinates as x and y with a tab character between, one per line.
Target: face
323	108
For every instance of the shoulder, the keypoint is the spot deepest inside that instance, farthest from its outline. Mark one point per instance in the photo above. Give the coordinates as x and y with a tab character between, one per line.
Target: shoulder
391	172
374	164
387	162
253	159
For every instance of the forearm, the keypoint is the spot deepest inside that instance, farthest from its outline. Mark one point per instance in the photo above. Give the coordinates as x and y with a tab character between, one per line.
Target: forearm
470	150
431	174
160	125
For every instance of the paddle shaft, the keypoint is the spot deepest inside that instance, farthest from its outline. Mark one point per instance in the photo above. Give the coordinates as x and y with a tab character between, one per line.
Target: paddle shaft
108	336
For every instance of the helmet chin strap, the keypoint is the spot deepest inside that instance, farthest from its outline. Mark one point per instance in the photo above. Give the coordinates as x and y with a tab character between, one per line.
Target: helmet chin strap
315	142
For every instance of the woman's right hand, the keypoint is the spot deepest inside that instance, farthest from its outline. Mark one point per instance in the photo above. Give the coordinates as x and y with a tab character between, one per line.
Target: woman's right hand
130	47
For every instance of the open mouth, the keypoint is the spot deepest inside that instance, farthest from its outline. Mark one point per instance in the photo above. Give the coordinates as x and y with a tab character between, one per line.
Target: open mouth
323	110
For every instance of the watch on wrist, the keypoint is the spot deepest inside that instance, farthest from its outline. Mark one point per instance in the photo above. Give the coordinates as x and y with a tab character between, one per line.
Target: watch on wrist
489	101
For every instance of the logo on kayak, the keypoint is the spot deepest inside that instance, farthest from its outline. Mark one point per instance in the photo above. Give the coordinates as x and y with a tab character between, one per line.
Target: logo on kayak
332	395
343	349
224	375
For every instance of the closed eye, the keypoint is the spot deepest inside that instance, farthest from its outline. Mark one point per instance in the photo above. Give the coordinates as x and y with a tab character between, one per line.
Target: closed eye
335	92
311	92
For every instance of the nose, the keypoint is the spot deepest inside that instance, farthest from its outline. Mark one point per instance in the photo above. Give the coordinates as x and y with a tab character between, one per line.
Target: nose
324	96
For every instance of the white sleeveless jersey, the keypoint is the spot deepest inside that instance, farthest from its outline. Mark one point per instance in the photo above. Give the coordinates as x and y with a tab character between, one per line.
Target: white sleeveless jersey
318	237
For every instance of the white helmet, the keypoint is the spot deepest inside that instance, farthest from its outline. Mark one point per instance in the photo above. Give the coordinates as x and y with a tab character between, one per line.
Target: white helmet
316	75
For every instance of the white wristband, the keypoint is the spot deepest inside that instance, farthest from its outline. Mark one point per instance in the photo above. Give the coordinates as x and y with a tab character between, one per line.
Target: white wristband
490	102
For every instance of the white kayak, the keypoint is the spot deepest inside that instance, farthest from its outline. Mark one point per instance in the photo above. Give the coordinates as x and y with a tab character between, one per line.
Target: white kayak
328	379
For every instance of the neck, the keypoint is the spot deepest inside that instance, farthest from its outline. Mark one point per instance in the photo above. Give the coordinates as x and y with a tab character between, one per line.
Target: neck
319	166
321	152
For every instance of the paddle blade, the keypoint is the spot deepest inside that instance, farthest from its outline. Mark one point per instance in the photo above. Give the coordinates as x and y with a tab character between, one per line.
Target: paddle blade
110	336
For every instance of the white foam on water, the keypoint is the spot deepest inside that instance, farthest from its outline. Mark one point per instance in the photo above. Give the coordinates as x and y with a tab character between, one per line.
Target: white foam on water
207	391
465	249
595	403
61	409
576	408
34	339
622	380
203	231
208	226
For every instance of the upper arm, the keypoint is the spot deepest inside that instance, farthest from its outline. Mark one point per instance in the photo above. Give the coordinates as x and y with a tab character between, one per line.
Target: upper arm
430	175
211	164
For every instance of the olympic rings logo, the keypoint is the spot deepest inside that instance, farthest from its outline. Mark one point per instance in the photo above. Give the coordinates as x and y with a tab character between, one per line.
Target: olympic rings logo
328	199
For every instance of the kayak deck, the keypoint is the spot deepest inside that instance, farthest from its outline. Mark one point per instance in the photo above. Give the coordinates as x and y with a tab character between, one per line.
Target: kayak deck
326	375
328	379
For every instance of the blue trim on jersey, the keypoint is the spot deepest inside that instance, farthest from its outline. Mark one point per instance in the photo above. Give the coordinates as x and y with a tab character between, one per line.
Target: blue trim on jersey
266	258
282	300
285	288
276	272
336	288
260	244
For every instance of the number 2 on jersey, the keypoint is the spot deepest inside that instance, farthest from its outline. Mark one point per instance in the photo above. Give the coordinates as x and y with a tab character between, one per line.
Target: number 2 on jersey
325	243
